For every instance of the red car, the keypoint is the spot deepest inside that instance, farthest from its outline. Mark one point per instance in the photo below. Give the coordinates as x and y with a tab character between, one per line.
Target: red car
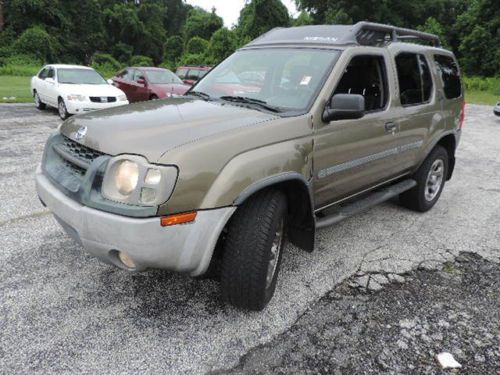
140	84
191	74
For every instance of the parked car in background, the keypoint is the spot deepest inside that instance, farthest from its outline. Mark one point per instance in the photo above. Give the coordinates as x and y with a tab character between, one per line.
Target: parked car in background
496	110
74	89
192	74
140	84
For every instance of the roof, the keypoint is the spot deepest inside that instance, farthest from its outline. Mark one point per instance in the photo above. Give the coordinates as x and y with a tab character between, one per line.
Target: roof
362	33
58	66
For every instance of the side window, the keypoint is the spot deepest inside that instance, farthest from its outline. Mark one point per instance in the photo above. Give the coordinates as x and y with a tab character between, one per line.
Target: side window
181	73
415	82
366	75
43	73
450	75
128	75
193	74
138	75
51	73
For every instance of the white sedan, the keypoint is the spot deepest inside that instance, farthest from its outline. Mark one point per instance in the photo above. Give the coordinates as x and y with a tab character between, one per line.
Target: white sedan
74	89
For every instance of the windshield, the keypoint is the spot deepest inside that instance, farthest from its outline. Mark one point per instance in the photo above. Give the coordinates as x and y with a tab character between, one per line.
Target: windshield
80	77
285	78
162	77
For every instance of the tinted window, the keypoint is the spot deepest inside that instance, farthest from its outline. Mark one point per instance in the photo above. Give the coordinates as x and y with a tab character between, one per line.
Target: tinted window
51	73
43	73
415	82
181	73
193	74
365	75
450	76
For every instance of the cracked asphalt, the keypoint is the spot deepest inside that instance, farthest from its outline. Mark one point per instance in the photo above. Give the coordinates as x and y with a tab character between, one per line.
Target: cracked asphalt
61	311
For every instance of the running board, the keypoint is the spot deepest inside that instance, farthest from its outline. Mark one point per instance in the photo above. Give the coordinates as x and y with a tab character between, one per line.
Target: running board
365	203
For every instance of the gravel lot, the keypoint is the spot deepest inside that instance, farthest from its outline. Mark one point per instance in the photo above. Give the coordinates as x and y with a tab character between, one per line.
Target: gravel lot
63	311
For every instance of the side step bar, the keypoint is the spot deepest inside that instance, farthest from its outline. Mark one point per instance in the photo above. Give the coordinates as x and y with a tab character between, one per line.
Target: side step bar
365	203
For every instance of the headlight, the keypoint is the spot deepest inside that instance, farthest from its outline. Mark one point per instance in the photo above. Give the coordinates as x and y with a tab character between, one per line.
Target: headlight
122	98
131	179
127	176
78	97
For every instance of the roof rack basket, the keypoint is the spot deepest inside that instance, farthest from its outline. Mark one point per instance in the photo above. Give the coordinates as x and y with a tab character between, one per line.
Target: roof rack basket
370	33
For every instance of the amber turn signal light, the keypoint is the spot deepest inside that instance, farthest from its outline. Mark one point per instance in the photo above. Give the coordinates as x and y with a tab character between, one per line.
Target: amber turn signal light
183	218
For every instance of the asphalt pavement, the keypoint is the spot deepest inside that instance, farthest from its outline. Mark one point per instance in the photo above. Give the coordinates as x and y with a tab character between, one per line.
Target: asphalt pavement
62	311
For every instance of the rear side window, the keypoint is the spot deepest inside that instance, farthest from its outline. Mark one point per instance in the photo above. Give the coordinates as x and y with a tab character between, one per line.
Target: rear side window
43	73
193	74
181	73
366	75
415	82
450	75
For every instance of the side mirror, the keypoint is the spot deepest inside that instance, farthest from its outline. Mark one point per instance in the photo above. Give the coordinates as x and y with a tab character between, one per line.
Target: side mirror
345	107
141	81
110	81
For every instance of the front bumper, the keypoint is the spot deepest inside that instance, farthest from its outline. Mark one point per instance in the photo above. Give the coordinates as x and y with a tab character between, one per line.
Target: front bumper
76	107
181	248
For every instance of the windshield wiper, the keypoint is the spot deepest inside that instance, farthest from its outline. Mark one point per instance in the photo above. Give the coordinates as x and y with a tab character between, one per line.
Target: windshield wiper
247	100
199	94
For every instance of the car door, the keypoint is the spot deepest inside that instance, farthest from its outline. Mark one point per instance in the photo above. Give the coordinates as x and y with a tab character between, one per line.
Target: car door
141	89
418	107
125	82
353	155
40	85
51	93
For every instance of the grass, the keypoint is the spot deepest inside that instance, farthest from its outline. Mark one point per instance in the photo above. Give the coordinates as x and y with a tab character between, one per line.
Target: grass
17	87
481	97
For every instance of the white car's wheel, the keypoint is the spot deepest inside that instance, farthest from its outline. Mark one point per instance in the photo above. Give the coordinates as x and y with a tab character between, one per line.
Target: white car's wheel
38	102
63	112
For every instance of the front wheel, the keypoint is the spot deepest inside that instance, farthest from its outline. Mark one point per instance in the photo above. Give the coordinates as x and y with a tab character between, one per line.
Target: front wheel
430	178
38	102
253	250
63	112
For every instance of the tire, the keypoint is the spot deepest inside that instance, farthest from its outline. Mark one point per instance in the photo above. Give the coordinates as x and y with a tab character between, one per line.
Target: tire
38	103
153	97
250	266
425	194
61	108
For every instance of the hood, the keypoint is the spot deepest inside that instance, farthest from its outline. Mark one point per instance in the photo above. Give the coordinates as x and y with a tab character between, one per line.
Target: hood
91	90
154	127
170	88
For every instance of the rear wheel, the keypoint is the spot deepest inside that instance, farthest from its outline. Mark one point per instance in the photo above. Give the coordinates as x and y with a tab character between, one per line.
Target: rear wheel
61	107
38	101
253	250
430	179
153	97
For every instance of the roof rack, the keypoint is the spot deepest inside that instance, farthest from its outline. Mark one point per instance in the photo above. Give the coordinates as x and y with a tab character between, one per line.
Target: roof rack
362	33
369	33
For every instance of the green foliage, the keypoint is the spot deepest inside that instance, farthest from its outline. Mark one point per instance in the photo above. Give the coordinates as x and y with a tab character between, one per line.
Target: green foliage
172	50
196	45
222	44
491	84
20	65
141	61
201	23
122	52
192	59
303	19
105	64
260	16
168	65
37	42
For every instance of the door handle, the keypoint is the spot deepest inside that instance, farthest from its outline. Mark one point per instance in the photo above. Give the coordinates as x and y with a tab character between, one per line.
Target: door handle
390	127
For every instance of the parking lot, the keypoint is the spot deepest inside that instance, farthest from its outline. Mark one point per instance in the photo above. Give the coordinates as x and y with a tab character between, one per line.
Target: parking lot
61	310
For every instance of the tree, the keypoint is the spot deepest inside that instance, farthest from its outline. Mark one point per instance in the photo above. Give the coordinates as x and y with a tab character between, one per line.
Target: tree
303	19
197	45
260	16
201	23
173	49
222	44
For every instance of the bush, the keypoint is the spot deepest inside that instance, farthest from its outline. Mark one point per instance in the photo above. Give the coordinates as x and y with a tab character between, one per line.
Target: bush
222	44
168	65
37	42
122	52
20	65
193	59
196	45
140	60
105	64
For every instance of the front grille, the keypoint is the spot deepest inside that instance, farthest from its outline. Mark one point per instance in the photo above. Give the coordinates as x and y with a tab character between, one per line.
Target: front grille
103	99
79	151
